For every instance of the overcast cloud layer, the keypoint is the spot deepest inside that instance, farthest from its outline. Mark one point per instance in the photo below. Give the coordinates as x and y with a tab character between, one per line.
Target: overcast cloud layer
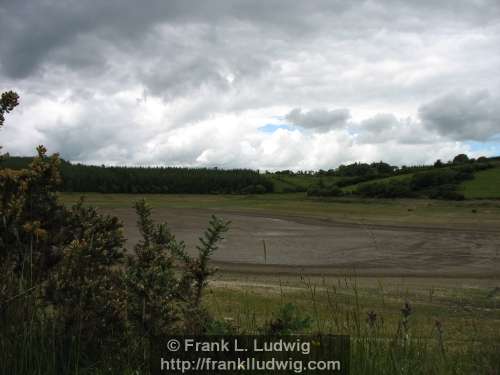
195	82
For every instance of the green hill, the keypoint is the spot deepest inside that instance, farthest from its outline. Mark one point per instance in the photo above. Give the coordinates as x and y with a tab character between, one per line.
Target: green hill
351	188
486	184
296	183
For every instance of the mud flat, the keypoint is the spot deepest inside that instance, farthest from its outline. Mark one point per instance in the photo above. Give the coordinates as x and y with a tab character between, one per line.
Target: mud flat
314	246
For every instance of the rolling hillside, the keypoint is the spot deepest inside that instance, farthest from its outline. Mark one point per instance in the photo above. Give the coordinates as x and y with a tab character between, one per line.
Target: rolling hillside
298	183
486	184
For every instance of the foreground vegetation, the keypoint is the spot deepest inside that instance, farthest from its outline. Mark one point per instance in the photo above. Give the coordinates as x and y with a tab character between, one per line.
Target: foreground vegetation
71	300
397	326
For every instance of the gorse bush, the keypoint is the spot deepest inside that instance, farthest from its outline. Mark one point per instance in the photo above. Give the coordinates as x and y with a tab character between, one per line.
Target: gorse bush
67	286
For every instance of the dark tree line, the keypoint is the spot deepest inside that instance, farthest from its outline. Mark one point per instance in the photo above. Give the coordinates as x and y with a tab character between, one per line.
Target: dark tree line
86	178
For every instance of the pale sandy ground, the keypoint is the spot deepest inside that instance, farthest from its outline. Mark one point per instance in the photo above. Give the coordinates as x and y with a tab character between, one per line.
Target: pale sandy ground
312	246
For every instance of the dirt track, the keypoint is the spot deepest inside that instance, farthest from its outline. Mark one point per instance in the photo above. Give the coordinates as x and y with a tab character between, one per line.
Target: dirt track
315	246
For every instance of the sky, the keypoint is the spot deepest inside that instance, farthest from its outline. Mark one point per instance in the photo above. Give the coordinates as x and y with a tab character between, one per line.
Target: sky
269	85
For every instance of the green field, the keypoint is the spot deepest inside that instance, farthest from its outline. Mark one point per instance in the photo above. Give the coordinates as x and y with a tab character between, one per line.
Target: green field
469	214
433	298
486	184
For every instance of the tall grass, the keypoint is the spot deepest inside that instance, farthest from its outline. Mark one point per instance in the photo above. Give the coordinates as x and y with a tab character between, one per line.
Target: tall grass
386	338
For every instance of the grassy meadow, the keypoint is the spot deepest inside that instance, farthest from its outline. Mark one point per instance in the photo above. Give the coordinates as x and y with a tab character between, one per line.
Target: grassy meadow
470	213
451	326
486	184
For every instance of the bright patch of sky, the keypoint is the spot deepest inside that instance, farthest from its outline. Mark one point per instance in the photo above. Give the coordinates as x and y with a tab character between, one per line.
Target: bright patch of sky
271	128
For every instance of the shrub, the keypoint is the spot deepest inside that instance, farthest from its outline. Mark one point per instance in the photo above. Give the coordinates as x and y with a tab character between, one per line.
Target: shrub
432	178
389	189
460	159
289	319
324	191
254	189
447	191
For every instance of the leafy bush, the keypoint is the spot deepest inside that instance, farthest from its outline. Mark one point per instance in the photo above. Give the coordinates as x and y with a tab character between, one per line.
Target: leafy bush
433	178
390	189
289	319
294	189
254	189
324	191
461	159
447	192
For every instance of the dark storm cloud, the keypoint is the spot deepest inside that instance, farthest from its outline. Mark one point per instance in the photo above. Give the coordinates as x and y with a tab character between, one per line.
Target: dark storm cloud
463	116
32	30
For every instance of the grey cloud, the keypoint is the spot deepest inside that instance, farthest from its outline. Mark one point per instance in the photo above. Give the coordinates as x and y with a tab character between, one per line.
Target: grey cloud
32	30
463	116
204	59
319	119
380	122
386	127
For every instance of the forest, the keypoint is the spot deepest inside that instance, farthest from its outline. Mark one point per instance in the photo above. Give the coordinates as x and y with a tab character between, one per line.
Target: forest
104	179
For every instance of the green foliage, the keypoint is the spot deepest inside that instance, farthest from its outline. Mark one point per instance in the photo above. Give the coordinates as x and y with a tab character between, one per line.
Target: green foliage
433	178
438	164
254	189
289	319
365	170
156	180
8	101
390	189
162	301
437	183
460	159
31	218
324	191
